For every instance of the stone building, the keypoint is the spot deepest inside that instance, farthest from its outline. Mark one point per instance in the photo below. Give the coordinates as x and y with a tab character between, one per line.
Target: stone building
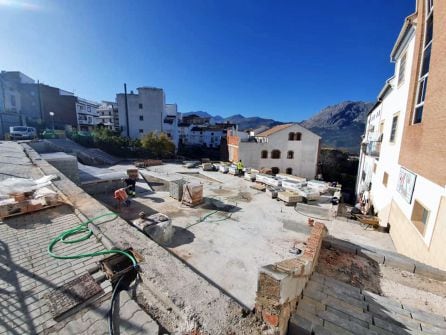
288	148
405	181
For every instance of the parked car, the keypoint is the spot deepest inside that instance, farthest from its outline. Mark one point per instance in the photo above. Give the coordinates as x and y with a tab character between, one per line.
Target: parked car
22	133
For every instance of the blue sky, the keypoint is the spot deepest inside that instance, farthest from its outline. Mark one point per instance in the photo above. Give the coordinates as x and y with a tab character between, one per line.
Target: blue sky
278	59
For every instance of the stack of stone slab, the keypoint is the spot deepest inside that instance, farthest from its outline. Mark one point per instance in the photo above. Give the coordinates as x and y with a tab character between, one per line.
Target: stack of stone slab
223	168
268	180
289	198
319	185
233	170
292	185
308	193
192	194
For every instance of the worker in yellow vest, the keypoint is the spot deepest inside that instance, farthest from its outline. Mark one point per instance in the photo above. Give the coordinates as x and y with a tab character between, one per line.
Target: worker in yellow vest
240	167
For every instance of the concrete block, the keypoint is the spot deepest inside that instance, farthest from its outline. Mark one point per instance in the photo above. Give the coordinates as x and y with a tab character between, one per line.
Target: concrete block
319	330
429	271
346	324
430	329
426	317
377	257
349	317
395	327
399	261
299	326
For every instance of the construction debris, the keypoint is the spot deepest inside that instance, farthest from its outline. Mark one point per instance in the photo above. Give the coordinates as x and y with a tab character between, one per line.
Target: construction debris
147	163
158	226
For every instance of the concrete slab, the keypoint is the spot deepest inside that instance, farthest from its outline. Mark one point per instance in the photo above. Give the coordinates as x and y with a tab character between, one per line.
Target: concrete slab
231	236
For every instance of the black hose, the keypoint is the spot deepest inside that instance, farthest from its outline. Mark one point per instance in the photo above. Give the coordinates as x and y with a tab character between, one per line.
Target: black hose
115	293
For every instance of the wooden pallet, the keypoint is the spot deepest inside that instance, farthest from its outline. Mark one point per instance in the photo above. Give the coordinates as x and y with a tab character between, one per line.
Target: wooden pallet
30	211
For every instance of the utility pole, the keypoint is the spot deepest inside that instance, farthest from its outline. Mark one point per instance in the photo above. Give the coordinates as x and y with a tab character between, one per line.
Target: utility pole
126	110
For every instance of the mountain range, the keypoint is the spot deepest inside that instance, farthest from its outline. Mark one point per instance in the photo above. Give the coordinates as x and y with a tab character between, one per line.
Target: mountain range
340	125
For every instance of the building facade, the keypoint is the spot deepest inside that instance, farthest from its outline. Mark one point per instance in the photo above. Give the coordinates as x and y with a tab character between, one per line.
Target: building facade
87	114
408	176
144	112
108	115
170	122
288	148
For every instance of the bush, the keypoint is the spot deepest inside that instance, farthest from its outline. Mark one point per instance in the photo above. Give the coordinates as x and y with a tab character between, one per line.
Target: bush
158	145
152	145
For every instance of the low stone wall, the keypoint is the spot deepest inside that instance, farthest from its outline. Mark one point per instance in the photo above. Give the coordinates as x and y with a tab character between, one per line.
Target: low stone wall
102	186
280	285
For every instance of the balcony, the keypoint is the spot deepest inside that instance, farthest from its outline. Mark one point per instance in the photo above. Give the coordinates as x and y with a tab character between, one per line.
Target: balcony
373	148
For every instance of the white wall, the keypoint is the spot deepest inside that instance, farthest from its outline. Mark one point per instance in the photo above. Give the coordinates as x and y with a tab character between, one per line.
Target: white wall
153	106
304	162
394	103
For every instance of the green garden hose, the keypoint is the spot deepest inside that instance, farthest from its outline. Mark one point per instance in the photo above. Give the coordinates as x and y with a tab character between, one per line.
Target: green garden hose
86	234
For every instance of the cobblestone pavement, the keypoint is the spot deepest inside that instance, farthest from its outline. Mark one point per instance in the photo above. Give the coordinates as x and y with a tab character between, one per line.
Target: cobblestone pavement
28	273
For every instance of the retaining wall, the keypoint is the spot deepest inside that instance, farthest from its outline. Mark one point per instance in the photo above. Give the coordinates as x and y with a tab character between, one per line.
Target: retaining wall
280	285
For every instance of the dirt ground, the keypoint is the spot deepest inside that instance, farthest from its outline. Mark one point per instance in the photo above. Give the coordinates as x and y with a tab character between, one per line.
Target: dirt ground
405	287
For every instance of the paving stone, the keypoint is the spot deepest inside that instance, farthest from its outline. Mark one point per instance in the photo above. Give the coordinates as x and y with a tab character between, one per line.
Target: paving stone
345	323
395	327
364	319
319	330
299	326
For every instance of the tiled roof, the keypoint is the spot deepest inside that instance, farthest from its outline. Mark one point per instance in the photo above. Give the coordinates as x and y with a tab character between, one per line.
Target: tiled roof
273	130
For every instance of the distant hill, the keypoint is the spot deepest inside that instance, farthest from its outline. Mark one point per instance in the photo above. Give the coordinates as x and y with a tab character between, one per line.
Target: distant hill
242	122
340	125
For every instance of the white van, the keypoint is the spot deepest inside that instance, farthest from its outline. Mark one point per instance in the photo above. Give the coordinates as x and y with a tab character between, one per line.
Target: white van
22	133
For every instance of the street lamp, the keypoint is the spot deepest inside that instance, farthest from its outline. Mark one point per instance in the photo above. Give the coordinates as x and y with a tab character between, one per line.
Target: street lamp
52	119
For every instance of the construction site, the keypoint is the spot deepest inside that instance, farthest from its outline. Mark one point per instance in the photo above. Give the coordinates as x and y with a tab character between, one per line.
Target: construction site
94	244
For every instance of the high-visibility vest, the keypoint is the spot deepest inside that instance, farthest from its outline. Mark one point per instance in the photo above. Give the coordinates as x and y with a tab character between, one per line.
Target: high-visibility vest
121	194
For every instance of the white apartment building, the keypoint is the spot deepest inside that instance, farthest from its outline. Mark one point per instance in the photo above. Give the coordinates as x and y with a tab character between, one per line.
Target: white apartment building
288	148
170	122
403	159
108	115
144	112
87	115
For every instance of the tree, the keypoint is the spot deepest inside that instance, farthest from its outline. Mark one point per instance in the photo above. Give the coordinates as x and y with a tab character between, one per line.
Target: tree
158	144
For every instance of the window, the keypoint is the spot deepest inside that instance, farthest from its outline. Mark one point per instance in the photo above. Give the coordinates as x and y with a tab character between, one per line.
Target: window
420	216
385	178
290	154
425	63
291	137
393	130
141	118
298	137
289	171
374	167
275	154
275	170
402	69
140	106
13	102
88	109
141	131
264	154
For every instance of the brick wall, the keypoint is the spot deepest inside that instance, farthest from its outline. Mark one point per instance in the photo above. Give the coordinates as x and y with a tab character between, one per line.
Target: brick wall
233	150
422	148
280	284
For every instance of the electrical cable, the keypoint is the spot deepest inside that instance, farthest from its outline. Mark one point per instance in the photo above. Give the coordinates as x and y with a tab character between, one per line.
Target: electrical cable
115	293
